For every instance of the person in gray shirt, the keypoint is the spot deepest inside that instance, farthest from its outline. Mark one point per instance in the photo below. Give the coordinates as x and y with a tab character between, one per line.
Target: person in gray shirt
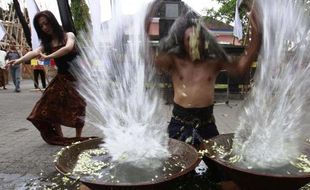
12	54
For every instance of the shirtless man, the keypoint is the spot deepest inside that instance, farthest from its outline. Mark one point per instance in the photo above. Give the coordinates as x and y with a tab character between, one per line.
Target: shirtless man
194	60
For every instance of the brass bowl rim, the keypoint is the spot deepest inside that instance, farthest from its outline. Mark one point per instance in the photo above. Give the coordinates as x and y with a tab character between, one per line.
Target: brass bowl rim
248	171
150	183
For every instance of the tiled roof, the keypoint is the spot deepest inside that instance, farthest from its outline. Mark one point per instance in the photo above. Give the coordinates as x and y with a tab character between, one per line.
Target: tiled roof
213	24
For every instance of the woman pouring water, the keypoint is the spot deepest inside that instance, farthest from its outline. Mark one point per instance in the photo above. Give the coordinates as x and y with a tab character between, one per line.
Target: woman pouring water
60	104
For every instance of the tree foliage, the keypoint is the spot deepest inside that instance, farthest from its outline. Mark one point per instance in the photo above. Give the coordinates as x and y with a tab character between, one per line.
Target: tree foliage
226	13
80	13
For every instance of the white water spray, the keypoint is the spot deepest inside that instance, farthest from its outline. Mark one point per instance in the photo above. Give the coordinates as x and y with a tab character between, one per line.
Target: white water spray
116	77
272	125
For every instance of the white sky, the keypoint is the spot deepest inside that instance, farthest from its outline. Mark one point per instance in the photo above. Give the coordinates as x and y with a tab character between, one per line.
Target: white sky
129	6
199	5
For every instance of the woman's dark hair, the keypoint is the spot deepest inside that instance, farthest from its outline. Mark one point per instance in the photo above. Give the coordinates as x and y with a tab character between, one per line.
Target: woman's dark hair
57	30
174	41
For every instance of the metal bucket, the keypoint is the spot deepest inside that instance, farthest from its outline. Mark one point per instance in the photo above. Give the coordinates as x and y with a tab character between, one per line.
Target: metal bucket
250	179
66	162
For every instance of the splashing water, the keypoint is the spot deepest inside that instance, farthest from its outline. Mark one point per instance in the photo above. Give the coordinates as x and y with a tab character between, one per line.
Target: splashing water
116	77
272	124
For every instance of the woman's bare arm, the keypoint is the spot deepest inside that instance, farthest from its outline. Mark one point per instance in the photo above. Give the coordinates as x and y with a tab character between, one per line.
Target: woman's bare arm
64	50
30	55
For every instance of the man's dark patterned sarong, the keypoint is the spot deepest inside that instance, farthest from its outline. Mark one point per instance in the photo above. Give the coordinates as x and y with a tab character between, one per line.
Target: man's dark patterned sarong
192	125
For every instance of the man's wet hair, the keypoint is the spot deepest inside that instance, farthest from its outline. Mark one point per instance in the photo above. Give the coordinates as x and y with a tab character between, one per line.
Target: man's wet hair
173	43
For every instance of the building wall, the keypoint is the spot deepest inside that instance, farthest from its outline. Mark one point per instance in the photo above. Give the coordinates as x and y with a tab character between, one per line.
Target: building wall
222	37
227	39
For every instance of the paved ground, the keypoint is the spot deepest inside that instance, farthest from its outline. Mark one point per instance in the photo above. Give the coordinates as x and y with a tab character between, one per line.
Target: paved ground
25	156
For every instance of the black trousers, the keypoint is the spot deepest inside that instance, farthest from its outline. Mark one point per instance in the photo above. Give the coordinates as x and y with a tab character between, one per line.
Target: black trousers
36	73
192	125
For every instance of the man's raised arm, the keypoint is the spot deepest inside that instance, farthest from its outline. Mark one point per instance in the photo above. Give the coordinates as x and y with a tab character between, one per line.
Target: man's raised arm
164	62
243	63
